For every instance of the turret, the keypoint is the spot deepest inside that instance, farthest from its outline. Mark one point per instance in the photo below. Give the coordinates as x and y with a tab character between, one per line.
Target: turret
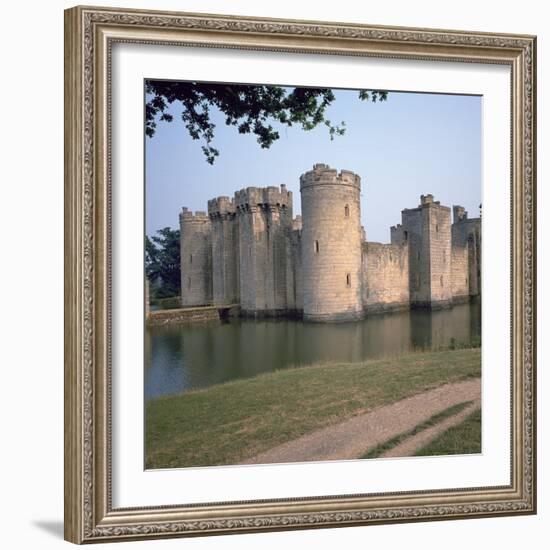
196	258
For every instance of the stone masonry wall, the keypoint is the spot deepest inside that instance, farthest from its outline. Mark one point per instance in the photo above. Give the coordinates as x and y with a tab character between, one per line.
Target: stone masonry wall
414	227
385	277
264	226
196	258
459	254
295	289
466	246
440	254
331	244
225	267
427	229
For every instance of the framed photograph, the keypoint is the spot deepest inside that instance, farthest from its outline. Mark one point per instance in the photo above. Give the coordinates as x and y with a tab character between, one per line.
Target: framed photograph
300	274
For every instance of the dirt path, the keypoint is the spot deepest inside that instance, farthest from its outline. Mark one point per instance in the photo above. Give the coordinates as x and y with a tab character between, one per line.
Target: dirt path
421	439
354	437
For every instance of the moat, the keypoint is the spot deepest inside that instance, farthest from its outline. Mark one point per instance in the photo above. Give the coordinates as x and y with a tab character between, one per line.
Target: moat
185	357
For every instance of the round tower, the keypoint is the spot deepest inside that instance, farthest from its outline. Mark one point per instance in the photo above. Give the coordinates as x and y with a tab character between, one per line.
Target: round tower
196	258
331	244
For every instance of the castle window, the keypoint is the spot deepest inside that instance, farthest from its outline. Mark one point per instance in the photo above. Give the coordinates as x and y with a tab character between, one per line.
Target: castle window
418	255
405	235
437	228
346	211
190	258
348	279
316	247
189	282
441	280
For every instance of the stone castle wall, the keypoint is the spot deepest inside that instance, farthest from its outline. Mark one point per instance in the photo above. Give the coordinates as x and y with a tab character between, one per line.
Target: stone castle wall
264	219
196	258
250	251
440	254
466	247
225	242
427	230
385	277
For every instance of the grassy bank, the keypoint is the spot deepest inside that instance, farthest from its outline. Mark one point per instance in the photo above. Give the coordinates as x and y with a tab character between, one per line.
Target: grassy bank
462	439
227	423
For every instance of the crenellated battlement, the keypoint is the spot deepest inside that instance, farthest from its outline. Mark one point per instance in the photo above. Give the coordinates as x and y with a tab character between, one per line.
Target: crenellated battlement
263	197
219	207
428	200
459	213
323	174
187	216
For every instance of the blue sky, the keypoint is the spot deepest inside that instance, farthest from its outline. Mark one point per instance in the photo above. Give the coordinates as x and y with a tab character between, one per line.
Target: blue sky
409	145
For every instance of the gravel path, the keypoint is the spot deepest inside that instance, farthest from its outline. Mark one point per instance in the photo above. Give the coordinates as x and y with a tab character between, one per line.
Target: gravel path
354	437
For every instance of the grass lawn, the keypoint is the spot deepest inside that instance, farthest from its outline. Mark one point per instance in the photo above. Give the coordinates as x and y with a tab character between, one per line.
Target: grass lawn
227	423
465	438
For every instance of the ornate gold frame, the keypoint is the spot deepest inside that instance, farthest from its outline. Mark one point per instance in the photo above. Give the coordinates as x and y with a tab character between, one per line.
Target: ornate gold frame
89	35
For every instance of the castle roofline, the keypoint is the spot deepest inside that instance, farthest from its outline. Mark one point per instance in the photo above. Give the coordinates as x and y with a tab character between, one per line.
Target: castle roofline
187	216
427	201
323	174
263	196
220	206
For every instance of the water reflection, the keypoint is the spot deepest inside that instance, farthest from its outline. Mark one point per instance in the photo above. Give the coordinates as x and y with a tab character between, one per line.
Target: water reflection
179	358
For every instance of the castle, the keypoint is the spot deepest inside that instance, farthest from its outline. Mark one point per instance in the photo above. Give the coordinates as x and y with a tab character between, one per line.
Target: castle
251	251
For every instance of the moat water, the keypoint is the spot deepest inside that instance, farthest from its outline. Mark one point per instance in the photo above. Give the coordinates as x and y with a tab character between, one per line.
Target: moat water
181	358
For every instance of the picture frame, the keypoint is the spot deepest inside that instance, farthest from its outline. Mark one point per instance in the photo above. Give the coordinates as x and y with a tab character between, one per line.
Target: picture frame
90	35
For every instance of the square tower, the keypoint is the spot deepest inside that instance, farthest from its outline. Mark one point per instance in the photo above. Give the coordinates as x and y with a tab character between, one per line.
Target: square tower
427	229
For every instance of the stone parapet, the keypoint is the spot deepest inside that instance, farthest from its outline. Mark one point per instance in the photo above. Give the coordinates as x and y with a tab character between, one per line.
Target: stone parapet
187	216
323	174
263	197
220	207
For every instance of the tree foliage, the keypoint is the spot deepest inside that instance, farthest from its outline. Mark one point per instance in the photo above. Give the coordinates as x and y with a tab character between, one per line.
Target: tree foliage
249	108
162	262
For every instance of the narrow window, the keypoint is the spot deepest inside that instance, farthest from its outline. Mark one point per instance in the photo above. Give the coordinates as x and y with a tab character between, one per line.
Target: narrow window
348	279
189	282
406	235
316	247
437	228
190	258
346	211
418	255
441	280
466	280
444	257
